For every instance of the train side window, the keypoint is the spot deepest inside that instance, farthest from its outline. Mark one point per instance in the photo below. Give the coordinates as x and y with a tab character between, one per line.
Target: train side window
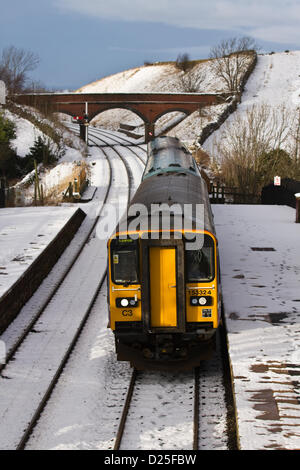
200	263
124	262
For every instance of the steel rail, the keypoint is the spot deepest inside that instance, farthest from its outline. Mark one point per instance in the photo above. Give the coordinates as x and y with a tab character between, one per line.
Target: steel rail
36	317
112	136
128	401
28	431
126	407
196	409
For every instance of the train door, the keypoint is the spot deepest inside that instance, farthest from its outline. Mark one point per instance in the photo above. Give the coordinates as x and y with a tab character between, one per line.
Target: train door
163	286
163	298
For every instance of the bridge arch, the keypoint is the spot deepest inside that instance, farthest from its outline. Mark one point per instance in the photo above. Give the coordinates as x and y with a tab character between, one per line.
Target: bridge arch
148	106
102	109
167	111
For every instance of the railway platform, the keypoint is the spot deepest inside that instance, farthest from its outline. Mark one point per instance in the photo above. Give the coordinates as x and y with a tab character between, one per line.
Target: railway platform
260	269
32	239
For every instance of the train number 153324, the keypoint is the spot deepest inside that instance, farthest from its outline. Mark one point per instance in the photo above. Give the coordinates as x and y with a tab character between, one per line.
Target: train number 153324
195	292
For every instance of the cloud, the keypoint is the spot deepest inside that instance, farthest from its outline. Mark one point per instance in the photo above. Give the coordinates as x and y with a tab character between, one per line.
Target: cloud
271	20
197	50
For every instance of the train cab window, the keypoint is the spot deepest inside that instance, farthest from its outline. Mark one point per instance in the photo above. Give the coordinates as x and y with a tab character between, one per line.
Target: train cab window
124	262
200	263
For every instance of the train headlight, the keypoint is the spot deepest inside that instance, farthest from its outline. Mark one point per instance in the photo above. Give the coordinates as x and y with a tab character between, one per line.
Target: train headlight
124	302
201	301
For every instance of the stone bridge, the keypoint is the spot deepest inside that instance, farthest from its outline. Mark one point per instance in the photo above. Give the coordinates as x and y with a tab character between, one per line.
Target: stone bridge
148	106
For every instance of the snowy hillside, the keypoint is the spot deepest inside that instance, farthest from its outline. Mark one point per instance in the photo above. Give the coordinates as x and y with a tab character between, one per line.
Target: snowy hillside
164	78
27	132
70	149
274	82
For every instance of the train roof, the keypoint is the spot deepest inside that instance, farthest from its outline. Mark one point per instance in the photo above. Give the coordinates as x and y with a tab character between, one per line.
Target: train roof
175	188
167	154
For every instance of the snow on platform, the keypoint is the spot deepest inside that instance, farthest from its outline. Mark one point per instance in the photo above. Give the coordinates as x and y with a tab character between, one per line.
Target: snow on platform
24	233
260	268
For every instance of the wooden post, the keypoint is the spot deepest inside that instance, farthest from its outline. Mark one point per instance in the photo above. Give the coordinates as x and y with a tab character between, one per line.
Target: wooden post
297	196
37	180
35	192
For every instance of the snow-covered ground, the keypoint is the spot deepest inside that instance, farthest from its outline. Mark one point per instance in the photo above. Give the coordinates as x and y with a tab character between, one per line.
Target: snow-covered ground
24	234
261	296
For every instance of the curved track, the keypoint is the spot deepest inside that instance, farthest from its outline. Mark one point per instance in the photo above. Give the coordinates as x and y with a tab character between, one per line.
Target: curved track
38	357
161	410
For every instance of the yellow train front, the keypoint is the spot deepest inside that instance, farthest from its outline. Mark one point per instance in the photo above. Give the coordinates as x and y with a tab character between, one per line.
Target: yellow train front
164	295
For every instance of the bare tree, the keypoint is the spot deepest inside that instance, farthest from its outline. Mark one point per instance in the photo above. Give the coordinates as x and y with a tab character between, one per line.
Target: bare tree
252	148
14	67
192	80
295	137
183	62
230	60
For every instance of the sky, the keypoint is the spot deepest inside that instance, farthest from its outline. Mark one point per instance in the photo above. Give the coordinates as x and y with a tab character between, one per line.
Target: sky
80	41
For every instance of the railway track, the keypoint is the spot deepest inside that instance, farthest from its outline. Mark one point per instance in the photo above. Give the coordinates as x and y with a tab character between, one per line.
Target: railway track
161	411
18	340
165	411
115	140
36	361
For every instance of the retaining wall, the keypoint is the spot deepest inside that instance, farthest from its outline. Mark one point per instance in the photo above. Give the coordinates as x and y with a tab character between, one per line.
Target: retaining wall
211	127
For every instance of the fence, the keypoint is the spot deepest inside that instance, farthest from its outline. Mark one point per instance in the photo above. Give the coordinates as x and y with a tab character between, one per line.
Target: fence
221	194
2	192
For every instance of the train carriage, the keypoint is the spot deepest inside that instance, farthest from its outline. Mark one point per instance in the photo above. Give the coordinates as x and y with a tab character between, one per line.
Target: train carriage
164	295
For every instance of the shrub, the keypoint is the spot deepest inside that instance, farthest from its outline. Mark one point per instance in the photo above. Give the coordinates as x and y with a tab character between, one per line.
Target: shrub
7	155
183	62
40	152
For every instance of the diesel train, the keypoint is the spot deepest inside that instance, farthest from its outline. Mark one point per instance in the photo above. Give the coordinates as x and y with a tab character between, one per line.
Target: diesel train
164	292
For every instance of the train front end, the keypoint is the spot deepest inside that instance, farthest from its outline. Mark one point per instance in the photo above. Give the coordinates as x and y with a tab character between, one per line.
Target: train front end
164	300
163	290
